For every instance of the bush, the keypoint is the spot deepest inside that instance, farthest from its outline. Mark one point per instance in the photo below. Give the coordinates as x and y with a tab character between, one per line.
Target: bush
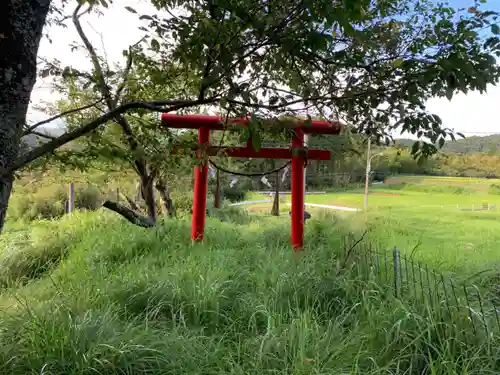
494	189
397	186
233	194
440	189
49	202
231	214
87	197
183	201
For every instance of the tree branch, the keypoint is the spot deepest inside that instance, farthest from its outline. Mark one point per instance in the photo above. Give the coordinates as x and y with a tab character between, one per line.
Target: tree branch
126	73
140	162
129	214
42	135
155	106
30	129
93	56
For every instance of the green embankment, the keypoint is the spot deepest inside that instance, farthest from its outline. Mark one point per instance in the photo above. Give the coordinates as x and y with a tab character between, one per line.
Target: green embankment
91	294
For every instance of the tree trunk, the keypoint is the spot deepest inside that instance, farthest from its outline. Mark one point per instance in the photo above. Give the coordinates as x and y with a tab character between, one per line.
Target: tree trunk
168	204
5	190
20	34
275	211
138	193
148	191
217	190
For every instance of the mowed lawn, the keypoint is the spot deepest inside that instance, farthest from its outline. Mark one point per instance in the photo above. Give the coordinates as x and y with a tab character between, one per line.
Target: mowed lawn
441	223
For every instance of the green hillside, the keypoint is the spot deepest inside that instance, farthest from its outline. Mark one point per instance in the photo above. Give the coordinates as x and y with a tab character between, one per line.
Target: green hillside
487	144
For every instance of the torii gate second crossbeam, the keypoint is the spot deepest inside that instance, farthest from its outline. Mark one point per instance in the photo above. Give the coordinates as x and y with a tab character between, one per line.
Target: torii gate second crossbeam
297	153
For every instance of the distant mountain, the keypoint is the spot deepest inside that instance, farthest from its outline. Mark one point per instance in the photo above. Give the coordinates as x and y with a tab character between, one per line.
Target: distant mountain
487	144
32	140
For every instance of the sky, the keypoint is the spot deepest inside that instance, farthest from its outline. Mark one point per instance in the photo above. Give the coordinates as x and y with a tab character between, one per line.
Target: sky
111	33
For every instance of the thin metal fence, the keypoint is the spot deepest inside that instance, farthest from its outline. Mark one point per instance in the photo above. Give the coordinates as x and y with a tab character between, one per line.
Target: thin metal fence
465	310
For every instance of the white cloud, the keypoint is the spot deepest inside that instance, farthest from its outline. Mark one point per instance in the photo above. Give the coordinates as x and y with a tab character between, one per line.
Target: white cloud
118	28
472	114
110	33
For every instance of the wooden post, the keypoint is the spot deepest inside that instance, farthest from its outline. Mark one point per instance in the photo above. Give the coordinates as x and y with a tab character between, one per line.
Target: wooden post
71	197
217	190
397	268
275	210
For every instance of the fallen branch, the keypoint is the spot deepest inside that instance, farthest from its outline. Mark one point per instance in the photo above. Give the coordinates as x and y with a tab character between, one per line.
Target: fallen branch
129	214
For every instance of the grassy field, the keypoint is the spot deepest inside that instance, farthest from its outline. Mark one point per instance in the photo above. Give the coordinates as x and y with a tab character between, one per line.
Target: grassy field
91	294
438	220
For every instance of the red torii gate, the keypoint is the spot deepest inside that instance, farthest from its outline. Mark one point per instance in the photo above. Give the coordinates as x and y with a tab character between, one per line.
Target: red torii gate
205	124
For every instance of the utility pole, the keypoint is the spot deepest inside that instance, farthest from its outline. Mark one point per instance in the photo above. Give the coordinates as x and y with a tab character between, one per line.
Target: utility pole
368	171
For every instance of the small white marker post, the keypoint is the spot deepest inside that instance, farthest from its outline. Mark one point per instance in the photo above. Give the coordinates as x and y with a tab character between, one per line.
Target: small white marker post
71	198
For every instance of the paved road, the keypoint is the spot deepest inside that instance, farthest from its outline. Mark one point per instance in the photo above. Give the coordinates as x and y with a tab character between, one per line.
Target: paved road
336	208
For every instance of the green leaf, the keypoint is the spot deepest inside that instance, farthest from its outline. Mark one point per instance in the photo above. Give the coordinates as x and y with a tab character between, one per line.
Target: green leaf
495	29
244	134
449	93
398	63
415	147
155	45
256	141
131	10
441	142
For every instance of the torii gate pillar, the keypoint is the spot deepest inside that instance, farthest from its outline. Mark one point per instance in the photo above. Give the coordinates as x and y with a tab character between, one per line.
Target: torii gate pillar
200	189
298	164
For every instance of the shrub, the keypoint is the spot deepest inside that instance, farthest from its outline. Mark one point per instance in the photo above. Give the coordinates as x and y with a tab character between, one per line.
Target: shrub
494	189
87	197
398	186
49	202
441	189
231	214
183	201
233	194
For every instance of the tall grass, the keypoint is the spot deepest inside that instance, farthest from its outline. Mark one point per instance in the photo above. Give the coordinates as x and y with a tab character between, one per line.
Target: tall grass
91	294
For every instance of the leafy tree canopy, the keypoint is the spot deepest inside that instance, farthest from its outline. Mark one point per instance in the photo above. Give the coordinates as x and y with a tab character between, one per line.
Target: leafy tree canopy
370	64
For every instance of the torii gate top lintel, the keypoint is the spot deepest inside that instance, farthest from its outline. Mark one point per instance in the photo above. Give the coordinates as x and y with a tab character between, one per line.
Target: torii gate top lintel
217	123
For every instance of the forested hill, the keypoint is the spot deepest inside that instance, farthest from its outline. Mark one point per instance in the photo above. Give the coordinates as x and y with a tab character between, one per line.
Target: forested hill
32	140
487	144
